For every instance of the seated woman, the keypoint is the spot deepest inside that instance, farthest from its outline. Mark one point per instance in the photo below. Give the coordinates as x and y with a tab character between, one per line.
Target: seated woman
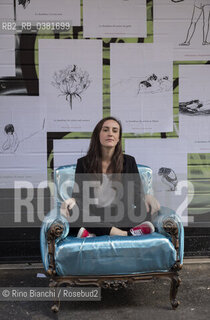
110	169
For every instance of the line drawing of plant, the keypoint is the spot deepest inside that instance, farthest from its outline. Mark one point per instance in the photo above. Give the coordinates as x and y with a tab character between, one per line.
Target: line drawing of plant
154	84
168	177
24	3
195	107
72	81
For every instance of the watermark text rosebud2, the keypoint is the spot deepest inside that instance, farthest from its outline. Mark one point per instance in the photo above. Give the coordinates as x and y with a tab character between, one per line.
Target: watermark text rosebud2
122	202
50	294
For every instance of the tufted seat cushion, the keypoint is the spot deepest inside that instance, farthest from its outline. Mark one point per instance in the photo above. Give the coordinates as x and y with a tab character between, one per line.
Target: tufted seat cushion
114	255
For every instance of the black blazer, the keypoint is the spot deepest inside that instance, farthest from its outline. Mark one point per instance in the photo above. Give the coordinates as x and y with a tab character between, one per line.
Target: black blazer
133	209
129	164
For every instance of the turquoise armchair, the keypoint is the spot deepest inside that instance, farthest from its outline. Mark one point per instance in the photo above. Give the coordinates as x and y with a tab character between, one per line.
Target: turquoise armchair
110	261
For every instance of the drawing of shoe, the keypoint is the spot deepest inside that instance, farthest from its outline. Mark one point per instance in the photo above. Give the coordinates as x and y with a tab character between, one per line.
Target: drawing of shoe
168	177
194	107
184	43
154	84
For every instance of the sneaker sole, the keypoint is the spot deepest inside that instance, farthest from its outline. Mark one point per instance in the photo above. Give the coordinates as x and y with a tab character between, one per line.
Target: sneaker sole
80	232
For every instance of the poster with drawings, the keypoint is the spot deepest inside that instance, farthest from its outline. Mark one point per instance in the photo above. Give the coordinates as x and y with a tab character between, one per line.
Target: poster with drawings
185	23
48	10
23	154
7	39
142	87
168	160
194	107
70	83
7	55
119	18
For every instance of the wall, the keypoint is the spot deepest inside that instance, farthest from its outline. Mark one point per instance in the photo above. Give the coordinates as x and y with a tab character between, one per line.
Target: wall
133	61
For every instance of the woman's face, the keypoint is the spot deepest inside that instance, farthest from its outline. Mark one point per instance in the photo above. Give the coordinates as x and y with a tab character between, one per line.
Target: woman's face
109	134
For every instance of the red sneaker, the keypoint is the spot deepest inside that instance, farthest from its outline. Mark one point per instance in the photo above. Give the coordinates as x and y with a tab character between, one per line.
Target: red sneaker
83	233
145	227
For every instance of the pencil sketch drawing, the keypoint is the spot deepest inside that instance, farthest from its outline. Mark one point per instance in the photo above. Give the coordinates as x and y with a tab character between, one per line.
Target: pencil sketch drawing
168	177
154	84
24	3
201	10
71	81
12	142
195	107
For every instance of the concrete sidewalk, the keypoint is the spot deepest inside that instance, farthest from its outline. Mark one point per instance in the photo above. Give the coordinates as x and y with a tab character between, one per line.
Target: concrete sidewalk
147	300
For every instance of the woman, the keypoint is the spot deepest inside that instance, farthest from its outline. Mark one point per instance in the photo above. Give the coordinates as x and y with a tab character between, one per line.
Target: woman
105	162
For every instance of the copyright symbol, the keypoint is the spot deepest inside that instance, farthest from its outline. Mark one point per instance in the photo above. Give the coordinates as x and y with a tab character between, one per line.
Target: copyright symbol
5	293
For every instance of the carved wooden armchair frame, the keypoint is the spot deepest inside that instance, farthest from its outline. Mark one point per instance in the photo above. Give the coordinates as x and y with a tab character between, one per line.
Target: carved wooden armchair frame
55	231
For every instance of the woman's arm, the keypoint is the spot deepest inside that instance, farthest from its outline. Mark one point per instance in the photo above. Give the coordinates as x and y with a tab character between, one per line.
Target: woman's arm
69	204
66	206
151	203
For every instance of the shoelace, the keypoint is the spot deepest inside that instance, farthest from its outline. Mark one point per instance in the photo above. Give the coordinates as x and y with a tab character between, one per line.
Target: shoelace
139	232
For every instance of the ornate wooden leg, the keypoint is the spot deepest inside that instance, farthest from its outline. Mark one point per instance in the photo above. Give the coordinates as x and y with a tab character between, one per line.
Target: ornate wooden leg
56	306
175	282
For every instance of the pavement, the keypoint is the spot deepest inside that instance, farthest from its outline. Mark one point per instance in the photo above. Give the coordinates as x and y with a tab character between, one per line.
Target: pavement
146	300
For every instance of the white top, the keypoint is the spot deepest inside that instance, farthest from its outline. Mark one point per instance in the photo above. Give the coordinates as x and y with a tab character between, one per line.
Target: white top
105	193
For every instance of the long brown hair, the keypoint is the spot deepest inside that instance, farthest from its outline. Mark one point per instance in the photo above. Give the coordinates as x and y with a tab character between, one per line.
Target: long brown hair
94	155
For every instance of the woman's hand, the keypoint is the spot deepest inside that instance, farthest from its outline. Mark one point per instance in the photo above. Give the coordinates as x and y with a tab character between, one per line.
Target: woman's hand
66	206
151	202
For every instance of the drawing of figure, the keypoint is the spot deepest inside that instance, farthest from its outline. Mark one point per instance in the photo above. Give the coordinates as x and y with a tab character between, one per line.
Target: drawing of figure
195	107
168	177
11	142
24	3
153	84
201	8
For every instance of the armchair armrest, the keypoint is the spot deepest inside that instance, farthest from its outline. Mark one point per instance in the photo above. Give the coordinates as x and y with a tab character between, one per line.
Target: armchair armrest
168	223
54	228
146	178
